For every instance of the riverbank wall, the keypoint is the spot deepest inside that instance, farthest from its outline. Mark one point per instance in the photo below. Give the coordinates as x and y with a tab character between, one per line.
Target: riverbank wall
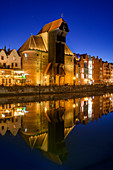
38	90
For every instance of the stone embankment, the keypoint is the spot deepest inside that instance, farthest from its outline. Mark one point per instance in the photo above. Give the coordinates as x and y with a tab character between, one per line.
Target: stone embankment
38	90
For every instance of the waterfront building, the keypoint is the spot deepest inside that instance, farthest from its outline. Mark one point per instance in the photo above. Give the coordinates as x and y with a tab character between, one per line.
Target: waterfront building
83	69
10	68
111	72
106	72
46	57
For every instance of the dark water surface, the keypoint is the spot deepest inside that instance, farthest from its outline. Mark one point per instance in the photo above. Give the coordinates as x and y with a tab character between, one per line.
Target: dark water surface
62	134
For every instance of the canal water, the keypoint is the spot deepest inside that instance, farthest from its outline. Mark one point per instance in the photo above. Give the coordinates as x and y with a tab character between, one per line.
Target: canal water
68	134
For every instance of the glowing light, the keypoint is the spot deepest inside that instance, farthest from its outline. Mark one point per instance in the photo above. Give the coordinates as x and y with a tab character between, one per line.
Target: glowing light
45	109
25	55
26	74
18	114
3	115
45	77
25	129
74	105
14	126
18	72
86	98
7	76
26	111
7	111
74	78
85	117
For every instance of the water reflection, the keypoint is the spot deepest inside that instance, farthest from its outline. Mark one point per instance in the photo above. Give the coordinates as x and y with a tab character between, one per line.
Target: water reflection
45	125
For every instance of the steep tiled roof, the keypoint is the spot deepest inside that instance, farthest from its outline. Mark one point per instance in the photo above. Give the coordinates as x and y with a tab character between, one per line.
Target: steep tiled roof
34	42
37	43
52	26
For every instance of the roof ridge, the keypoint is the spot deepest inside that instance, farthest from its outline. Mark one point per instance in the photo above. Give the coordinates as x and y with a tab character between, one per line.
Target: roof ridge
51	25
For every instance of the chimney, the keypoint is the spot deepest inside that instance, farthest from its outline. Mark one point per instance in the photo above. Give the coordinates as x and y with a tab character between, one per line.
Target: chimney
8	49
5	48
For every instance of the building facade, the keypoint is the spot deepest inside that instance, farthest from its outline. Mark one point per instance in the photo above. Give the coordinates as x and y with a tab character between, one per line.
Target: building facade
10	68
46	58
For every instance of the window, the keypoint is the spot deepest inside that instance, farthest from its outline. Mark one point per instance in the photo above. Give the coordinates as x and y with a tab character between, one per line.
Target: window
12	64
2	127
25	55
14	58
9	80
2	57
4	65
16	64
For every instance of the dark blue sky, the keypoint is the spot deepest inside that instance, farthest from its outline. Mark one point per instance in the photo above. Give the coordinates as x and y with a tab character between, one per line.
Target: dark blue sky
90	23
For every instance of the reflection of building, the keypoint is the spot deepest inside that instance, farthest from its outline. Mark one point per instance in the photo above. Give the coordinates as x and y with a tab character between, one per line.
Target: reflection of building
45	125
48	123
11	125
10	118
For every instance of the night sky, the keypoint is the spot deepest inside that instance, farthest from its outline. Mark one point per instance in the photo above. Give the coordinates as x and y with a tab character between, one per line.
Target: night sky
90	23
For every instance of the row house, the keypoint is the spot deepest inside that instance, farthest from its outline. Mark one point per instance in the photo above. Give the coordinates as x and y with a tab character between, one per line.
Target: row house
91	70
97	70
106	72
111	72
10	68
83	69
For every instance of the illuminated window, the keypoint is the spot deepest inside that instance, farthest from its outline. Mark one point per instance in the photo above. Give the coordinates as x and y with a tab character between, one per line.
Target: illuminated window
25	55
25	129
14	58
82	76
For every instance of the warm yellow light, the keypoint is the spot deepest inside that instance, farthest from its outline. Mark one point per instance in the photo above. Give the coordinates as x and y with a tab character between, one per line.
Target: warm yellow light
74	78
3	115
74	105
86	98
85	79
45	77
45	109
7	111
19	72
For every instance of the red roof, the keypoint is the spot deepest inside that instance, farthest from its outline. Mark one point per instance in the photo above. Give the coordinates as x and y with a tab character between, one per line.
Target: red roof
52	26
